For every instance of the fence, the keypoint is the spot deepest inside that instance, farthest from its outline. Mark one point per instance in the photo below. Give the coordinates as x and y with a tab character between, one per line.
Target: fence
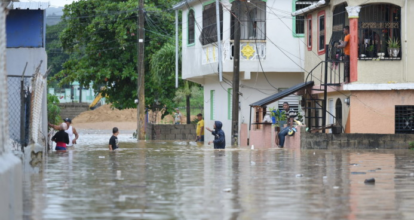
19	109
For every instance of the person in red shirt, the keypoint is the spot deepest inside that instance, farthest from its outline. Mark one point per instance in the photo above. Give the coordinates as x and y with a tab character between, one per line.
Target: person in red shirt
346	45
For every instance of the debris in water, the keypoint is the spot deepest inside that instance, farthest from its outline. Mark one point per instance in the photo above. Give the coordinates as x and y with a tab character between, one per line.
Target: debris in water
411	174
370	181
101	157
227	190
325	177
356	173
299	175
353	164
252	163
336	187
252	147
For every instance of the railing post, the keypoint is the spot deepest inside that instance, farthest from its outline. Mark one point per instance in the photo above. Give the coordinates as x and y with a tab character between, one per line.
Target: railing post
325	89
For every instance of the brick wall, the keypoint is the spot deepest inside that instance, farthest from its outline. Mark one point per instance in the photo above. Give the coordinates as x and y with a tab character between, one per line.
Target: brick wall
71	110
171	132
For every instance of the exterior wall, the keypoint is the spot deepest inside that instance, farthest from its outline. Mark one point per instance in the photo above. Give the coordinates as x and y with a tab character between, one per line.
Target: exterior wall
17	58
374	111
171	132
251	90
278	32
25	28
11	195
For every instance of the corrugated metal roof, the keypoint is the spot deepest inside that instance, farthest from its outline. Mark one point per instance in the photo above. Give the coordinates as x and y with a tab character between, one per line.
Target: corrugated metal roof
183	4
282	94
28	5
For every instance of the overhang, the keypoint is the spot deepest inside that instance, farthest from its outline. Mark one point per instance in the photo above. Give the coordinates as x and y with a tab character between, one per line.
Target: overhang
282	94
313	6
28	5
183	4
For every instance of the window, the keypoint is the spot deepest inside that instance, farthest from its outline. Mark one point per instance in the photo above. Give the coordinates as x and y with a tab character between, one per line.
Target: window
212	104
309	38
299	21
379	23
321	32
191	28
209	32
230	103
339	21
404	119
252	20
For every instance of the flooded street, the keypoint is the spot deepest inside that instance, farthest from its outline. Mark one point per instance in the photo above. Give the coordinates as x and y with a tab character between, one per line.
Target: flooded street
181	180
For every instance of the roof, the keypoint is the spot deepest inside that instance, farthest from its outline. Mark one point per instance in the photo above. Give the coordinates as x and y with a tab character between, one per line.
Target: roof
282	94
28	5
183	4
313	6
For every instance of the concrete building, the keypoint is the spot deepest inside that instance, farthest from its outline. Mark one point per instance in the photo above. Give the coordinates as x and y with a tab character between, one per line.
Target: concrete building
271	58
378	97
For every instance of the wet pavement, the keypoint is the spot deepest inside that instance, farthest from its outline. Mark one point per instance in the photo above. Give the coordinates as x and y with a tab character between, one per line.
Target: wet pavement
183	180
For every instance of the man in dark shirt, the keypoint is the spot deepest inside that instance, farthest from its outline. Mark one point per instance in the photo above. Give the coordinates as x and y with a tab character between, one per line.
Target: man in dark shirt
113	141
290	116
61	138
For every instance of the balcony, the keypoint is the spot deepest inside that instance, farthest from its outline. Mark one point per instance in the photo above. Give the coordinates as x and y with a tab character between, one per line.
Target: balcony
249	51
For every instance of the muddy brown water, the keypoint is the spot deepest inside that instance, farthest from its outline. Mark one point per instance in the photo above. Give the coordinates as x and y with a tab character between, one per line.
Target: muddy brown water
183	180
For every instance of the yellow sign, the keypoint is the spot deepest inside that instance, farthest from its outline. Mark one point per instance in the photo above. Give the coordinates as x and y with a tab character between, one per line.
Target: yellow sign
248	51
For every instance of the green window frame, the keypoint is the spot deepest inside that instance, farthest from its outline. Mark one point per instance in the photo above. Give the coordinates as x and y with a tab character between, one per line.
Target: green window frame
295	21
229	103
190	25
212	104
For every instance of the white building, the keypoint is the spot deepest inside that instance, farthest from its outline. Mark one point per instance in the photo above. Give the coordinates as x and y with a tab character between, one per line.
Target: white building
271	55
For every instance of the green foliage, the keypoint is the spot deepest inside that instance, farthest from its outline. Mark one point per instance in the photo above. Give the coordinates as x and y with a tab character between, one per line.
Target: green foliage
370	48
393	43
55	55
53	110
101	36
411	144
279	115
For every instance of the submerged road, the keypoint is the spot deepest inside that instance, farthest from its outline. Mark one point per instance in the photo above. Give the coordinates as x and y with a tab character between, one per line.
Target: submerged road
183	180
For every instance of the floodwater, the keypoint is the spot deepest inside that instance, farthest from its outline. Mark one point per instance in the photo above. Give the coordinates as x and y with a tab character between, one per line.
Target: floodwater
182	180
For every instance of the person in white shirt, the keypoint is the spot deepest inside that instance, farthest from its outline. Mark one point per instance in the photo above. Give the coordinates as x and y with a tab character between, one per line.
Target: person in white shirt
177	119
72	133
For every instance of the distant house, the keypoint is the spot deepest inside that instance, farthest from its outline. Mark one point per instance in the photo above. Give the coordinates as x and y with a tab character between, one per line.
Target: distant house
271	56
26	38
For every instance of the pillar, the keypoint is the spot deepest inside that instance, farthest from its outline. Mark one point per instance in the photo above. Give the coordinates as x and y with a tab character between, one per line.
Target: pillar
353	15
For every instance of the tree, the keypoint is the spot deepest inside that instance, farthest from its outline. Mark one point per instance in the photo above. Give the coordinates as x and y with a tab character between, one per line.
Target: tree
101	36
190	91
56	57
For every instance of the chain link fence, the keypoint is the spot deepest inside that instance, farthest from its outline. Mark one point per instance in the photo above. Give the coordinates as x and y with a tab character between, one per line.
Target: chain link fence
19	110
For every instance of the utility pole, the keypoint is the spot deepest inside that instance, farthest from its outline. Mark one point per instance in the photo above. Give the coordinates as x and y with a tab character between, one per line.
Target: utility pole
236	77
141	73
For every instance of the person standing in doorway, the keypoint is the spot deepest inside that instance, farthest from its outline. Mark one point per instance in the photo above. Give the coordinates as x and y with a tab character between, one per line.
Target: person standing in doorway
73	134
347	51
290	116
200	128
177	117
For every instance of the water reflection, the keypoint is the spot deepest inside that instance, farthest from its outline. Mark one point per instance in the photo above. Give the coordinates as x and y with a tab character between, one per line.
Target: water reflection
180	180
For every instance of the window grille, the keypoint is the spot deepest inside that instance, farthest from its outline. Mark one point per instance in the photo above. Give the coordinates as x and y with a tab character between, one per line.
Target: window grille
209	32
252	21
339	21
309	20
377	24
191	27
404	119
300	19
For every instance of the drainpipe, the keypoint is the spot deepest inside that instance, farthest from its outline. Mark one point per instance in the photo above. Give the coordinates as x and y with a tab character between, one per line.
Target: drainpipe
176	48
353	15
406	43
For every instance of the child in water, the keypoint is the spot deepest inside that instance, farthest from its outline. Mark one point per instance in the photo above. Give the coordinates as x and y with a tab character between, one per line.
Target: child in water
219	137
113	141
61	138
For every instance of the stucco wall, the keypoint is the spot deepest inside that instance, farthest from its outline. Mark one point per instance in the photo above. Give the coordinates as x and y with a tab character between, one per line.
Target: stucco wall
374	111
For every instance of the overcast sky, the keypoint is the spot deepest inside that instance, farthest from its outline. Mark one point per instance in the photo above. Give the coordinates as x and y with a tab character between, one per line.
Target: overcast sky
53	3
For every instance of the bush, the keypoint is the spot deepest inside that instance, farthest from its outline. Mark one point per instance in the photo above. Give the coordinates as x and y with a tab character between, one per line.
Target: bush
53	109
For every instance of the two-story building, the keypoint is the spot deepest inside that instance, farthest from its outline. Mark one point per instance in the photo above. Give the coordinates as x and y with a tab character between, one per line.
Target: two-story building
378	94
271	55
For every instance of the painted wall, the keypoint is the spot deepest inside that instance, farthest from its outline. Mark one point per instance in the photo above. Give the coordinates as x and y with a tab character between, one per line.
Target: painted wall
371	71
251	91
374	111
25	28
17	58
284	53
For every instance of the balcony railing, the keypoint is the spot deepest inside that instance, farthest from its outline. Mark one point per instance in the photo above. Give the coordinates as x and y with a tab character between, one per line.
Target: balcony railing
248	51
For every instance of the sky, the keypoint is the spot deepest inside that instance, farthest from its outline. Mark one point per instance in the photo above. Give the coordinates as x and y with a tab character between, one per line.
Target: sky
53	3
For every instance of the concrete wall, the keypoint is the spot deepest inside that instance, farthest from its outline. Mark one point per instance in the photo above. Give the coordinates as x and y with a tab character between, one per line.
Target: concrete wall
11	193
374	111
171	132
354	141
71	110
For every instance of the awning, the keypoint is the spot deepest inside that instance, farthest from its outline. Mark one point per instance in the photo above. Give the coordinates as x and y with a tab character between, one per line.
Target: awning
312	7
282	94
28	5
